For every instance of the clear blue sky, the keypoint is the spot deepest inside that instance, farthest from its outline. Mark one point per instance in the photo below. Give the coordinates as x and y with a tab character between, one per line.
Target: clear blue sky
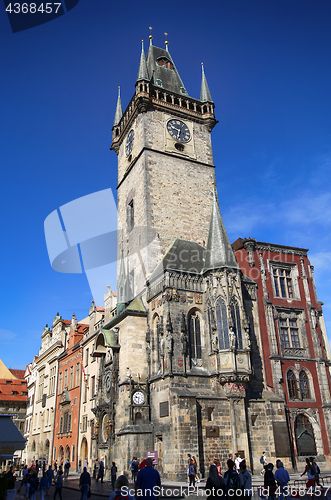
268	67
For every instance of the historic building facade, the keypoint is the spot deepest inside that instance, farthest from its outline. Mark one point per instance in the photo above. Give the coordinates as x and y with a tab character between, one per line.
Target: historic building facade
190	361
296	354
68	390
44	372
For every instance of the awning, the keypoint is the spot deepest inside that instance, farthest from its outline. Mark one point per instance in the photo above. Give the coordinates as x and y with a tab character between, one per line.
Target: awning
10	437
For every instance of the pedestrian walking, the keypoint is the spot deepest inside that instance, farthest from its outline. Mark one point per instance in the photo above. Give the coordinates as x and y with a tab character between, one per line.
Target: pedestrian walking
101	470
55	466
84	484
191	473
231	479
269	481
113	473
79	466
43	485
215	485
311	473
282	477
317	470
245	479
147	479
34	484
263	462
237	461
59	484
50	477
135	469
196	471
121	489
67	466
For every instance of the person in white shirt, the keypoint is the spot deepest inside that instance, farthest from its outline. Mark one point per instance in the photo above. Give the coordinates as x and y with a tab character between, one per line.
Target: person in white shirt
237	461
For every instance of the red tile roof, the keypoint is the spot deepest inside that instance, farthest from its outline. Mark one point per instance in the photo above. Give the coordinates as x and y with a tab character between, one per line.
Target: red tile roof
18	373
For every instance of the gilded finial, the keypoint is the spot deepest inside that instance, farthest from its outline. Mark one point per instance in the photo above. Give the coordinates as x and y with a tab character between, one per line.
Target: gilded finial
166	42
150	35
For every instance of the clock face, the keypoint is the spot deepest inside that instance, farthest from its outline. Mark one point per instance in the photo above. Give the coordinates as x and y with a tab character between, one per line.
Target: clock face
178	130
138	398
107	386
129	142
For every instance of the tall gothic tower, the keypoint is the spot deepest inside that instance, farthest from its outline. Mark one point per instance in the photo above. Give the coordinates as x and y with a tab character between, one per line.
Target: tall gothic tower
181	368
165	165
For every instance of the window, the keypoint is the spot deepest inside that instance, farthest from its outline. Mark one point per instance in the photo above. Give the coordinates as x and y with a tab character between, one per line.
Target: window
304	385
164	63
304	434
85	393
77	380
65	380
92	386
84	423
86	357
289	332
71	377
292	385
283	283
130	215
41	386
235	315
52	380
222	324
60	383
73	453
195	336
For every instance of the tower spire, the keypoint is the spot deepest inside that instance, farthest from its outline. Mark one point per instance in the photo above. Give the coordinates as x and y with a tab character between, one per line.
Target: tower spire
122	285
143	71
219	252
150	36
119	109
205	94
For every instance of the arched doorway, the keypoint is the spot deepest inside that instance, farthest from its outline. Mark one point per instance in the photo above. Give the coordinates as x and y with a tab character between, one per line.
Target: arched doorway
46	452
83	450
304	436
60	455
67	453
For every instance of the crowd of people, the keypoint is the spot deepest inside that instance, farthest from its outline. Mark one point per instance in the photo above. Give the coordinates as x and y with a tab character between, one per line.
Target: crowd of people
235	482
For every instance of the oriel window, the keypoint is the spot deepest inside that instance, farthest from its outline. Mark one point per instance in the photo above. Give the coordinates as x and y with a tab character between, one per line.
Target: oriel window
235	315
283	283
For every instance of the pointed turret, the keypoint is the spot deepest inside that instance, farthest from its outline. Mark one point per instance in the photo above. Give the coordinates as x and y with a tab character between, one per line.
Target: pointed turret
122	297
143	71
205	94
219	252
119	109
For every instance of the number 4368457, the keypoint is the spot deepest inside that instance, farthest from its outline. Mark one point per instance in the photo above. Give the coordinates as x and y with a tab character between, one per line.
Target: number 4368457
33	8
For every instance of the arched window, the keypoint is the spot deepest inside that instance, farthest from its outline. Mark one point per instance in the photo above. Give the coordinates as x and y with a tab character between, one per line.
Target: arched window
292	385
304	435
235	315
304	385
195	336
222	324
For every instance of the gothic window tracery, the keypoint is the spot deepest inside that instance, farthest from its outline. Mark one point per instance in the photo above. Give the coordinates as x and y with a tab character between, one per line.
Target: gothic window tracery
222	324
235	316
195	336
292	385
304	434
304	385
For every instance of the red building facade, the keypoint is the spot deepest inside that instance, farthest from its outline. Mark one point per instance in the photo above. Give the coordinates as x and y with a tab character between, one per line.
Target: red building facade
296	355
68	392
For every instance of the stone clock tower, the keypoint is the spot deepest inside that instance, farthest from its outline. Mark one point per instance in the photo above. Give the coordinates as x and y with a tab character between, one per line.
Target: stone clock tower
165	165
181	369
